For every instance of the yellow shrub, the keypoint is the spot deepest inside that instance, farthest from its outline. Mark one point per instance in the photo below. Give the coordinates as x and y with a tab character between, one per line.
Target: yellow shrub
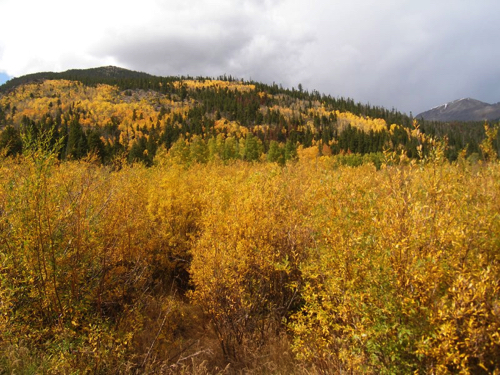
245	263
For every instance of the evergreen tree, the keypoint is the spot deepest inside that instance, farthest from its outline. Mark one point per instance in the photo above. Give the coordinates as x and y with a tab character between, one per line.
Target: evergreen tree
10	140
95	144
77	146
137	151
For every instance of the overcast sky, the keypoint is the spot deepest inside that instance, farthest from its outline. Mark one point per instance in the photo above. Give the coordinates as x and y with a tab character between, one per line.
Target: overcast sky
407	54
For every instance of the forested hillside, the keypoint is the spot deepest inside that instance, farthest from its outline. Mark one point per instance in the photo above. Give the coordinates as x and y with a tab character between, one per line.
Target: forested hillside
118	113
156	225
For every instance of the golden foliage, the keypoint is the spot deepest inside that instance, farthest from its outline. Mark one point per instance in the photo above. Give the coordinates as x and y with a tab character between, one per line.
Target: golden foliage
381	285
214	83
232	127
394	270
245	264
94	105
363	123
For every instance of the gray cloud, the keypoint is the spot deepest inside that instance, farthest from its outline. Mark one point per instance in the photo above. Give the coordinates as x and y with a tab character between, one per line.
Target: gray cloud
409	55
395	53
179	54
247	39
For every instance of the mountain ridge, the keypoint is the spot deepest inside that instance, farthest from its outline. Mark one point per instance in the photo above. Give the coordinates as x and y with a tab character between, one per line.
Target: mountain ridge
102	74
465	109
126	79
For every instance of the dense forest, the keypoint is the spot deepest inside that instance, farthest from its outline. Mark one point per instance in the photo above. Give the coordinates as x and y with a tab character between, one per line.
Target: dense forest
182	225
119	113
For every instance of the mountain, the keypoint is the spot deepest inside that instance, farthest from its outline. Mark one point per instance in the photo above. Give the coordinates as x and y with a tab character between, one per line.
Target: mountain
116	111
104	74
462	110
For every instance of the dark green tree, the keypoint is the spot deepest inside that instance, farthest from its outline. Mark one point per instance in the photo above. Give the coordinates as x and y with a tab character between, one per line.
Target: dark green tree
10	140
77	146
137	151
95	144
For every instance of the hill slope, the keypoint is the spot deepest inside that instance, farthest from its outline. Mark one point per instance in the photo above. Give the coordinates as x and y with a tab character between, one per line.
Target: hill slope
114	111
105	74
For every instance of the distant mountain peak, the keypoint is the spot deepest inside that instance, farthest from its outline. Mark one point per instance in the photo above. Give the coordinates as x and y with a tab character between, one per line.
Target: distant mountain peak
465	109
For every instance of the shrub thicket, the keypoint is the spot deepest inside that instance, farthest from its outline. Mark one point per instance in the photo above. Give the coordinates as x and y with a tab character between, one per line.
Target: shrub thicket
313	266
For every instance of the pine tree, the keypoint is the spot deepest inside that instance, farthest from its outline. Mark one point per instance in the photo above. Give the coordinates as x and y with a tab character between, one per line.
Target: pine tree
10	140
136	153
95	144
77	146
